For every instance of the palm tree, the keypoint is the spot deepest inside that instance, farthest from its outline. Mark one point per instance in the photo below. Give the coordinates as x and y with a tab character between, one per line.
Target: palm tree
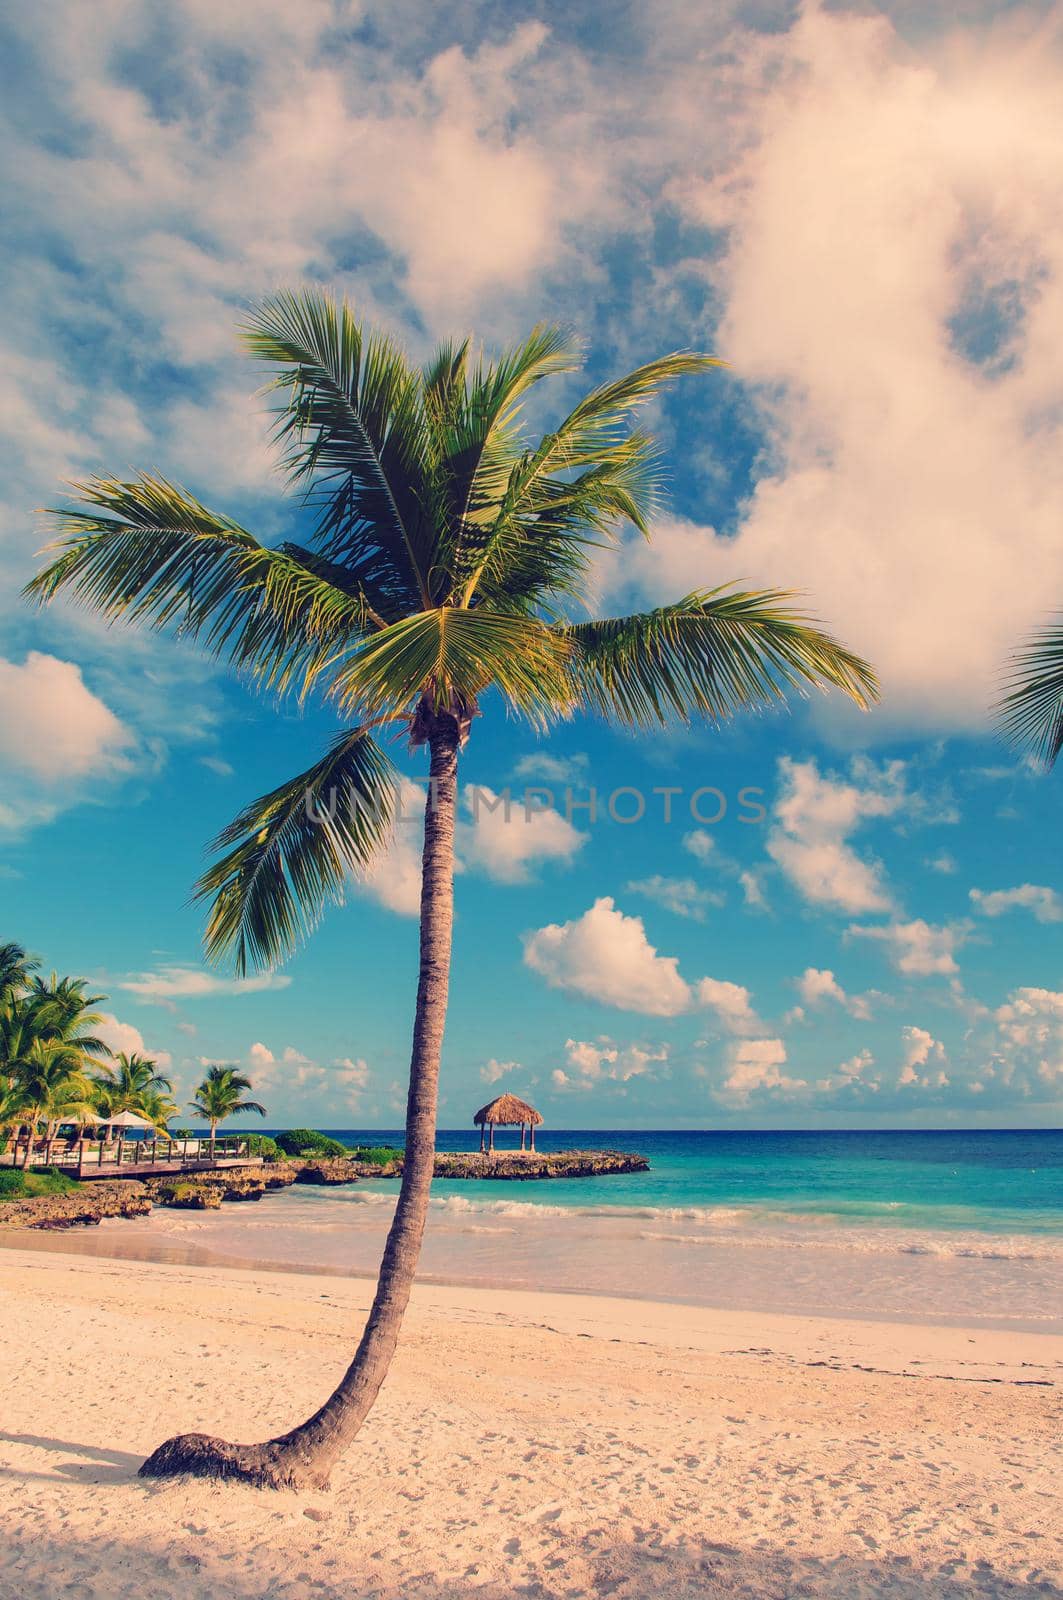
124	1083
59	1010
447	561
56	1090
219	1097
158	1107
1031	713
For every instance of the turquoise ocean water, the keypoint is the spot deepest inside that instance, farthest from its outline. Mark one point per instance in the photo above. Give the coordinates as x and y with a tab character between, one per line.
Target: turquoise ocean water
945	1226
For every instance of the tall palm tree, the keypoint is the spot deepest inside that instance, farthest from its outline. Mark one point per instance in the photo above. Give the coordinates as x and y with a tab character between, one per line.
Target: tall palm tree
219	1096
124	1083
445	568
1031	712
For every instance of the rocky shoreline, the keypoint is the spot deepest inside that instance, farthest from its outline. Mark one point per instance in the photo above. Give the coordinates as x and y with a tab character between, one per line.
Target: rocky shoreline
91	1202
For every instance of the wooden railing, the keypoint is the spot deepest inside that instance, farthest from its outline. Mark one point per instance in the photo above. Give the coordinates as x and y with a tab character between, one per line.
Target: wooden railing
93	1155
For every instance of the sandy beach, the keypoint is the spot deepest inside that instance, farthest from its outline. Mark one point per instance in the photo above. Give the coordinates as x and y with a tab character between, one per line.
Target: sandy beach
525	1444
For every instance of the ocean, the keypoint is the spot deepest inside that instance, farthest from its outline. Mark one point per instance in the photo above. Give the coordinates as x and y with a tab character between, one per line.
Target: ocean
949	1227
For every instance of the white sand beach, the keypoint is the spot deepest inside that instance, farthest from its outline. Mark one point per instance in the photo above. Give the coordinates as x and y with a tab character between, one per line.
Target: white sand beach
524	1445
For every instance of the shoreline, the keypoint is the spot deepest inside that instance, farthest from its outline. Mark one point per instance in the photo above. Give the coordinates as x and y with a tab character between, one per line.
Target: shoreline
111	1241
605	1251
523	1443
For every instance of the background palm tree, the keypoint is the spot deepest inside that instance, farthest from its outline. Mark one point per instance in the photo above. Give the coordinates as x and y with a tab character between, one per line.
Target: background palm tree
129	1083
56	1091
220	1096
1031	712
449	558
47	1045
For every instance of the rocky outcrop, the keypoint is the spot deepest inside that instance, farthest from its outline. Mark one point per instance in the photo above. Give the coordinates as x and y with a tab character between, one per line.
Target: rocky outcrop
187	1196
327	1170
84	1207
523	1165
205	1191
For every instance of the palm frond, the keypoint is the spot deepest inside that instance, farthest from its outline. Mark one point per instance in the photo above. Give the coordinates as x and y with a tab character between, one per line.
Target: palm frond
476	443
592	469
1030	714
451	653
148	551
290	852
711	655
352	429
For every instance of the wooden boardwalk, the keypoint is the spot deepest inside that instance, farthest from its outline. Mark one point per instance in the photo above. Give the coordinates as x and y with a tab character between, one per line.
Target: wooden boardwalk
131	1158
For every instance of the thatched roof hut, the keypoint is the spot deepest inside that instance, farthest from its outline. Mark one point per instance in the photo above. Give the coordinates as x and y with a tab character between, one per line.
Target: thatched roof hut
507	1112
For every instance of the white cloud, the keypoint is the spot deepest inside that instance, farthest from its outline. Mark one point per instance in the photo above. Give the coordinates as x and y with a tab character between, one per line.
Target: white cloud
606	955
681	895
175	982
1044	903
753	891
856	1065
816	985
731	1002
495	1070
122	1037
921	1049
1028	1052
919	947
55	736
753	1067
943	862
590	1063
506	839
394	876
813	818
895	280
547	768
288	1081
702	845
53	727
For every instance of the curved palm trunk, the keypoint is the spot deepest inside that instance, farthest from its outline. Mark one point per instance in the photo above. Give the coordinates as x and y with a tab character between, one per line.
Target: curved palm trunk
306	1455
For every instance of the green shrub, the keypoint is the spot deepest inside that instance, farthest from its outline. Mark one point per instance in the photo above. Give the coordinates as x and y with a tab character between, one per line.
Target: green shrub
308	1142
261	1145
12	1184
38	1180
376	1155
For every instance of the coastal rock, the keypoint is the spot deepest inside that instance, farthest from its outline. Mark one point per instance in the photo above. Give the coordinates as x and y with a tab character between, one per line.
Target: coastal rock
189	1196
84	1207
522	1165
328	1170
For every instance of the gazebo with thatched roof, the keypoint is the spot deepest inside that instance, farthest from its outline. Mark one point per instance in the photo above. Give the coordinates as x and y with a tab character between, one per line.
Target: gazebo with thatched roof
507	1112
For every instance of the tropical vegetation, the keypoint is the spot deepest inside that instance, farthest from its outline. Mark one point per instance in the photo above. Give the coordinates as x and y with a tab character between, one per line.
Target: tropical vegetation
445	573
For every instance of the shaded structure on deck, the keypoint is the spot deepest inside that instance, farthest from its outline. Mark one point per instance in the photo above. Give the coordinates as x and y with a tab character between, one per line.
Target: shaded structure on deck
507	1112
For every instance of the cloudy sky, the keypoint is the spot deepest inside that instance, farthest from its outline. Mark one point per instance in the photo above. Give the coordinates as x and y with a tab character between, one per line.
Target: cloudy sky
859	919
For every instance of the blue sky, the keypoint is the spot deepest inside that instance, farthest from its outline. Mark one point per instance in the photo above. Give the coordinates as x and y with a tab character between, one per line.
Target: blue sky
862	215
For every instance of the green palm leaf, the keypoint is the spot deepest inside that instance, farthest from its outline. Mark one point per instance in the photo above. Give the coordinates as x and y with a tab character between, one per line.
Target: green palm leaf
352	427
711	654
291	851
452	655
147	550
1031	713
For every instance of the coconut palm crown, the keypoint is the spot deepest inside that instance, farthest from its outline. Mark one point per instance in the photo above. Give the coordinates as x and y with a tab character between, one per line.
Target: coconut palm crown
446	557
446	570
220	1095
